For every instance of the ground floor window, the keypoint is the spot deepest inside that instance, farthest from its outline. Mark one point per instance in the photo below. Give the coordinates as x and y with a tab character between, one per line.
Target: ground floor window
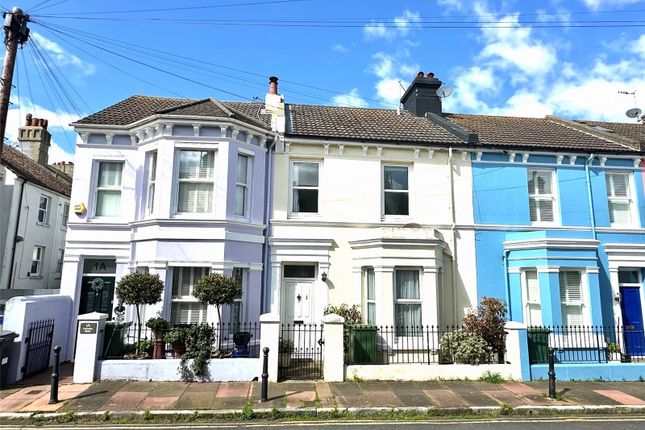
533	315
370	296
237	307
407	296
185	308
571	300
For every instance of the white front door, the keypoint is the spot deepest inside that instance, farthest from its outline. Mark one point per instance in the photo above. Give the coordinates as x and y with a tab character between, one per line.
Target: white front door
298	302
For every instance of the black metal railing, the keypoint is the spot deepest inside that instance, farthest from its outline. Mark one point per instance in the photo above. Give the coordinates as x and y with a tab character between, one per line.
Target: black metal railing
586	344
300	352
366	344
121	340
39	346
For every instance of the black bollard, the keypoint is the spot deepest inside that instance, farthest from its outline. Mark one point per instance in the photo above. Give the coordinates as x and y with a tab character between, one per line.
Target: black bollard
265	375
53	392
552	372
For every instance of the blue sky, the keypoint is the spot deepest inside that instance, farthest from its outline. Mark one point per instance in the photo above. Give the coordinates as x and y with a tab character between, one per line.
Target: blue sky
505	58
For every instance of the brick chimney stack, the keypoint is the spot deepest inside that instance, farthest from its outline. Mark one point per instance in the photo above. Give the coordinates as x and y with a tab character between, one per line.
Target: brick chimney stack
274	106
35	139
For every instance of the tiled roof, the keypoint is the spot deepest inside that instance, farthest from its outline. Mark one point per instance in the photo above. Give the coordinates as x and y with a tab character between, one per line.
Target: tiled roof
533	133
27	169
365	124
632	131
136	108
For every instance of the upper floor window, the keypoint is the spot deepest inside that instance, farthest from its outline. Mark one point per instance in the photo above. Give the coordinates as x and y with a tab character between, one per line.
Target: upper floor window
532	298
541	196
571	300
65	216
619	198
37	259
407	306
242	185
304	187
108	189
59	260
395	190
43	209
196	173
152	179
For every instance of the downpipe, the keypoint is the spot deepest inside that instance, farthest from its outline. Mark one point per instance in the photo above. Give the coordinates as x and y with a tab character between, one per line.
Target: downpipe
592	217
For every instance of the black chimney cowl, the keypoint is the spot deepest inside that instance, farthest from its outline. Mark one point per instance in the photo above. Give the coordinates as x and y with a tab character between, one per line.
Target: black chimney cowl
421	97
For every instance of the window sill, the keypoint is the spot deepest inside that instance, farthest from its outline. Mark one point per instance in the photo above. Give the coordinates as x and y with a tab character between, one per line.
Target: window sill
42	224
396	218
30	276
545	224
304	215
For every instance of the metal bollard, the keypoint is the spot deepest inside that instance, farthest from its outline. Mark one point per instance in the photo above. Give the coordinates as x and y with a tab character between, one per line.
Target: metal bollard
53	392
265	375
552	372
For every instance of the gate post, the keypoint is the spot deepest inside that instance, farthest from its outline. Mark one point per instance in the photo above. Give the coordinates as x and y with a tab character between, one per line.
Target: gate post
89	347
334	349
269	338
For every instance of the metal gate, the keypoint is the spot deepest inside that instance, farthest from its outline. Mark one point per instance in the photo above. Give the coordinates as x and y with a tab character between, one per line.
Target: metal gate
39	346
300	352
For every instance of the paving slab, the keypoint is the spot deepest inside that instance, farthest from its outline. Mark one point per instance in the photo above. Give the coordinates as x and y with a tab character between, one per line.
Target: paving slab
13	404
229	403
445	398
520	389
140	386
349	394
195	400
325	397
504	396
621	397
382	398
471	392
169	389
65	393
157	403
94	397
125	400
202	387
410	394
299	399
233	389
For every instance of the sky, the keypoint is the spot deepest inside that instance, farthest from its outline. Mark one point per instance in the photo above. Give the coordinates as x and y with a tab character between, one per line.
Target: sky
574	58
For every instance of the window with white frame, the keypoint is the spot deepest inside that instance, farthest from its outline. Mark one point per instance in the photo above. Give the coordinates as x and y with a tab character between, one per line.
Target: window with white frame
619	198
304	187
236	314
242	185
196	181
43	209
152	179
59	260
108	189
65	215
370	296
395	190
37	259
407	301
533	316
185	308
571	298
541	195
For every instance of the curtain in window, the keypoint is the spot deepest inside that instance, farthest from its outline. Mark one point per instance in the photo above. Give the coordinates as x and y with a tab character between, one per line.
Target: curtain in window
108	194
407	315
110	174
371	297
407	284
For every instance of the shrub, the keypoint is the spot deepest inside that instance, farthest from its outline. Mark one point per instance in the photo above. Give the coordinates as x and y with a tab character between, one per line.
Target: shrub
285	346
488	321
175	335
138	289
217	289
157	323
199	341
465	348
351	314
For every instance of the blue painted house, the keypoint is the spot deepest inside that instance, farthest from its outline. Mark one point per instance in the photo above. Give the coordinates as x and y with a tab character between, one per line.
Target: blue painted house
559	217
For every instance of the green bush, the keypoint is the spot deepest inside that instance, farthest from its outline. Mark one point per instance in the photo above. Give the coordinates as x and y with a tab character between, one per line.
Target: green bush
465	348
352	314
157	323
199	343
488	321
285	346
175	335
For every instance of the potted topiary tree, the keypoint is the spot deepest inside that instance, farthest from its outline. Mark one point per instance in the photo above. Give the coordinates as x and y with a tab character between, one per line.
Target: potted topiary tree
176	337
217	289
139	289
158	325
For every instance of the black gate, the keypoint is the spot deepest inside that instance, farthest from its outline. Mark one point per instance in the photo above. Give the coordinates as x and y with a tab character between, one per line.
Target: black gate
39	346
300	352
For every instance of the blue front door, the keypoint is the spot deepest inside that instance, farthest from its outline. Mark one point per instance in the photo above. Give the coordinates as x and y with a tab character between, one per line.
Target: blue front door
630	303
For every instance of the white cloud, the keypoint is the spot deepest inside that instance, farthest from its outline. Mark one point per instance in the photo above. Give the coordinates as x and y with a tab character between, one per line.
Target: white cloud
457	5
638	47
399	27
469	85
61	56
58	124
599	4
390	91
340	48
351	99
390	70
384	65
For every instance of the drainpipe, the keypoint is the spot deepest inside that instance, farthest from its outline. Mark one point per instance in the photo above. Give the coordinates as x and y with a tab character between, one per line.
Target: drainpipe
592	216
14	221
453	219
507	285
268	196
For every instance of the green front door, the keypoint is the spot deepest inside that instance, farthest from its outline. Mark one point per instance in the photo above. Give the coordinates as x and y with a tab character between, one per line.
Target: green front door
97	295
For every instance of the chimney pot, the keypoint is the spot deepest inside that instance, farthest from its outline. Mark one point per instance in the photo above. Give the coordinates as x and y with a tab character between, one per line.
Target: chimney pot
29	117
273	85
420	75
46	124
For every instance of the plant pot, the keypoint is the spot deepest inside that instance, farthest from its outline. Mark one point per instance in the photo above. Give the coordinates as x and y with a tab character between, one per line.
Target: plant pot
241	340
159	349
284	359
178	349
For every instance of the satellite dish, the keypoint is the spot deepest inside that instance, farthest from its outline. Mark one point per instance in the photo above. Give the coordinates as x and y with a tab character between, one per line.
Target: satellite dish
444	91
631	113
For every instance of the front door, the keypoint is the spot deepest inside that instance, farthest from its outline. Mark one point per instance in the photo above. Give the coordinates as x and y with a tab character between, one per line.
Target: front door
630	303
297	301
97	295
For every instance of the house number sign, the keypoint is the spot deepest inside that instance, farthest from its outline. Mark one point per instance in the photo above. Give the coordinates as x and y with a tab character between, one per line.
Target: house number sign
88	327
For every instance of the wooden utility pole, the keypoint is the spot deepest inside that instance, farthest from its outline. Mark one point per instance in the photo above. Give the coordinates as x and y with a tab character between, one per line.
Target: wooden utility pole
16	32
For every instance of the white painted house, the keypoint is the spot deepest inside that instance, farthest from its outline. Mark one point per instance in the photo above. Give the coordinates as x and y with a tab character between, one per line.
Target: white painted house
33	216
170	186
368	206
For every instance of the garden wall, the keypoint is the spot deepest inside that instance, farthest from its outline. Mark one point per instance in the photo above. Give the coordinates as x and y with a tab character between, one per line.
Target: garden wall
612	371
424	372
228	369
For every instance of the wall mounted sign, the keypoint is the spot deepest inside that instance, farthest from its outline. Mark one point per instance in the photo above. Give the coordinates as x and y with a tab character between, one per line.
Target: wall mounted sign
88	327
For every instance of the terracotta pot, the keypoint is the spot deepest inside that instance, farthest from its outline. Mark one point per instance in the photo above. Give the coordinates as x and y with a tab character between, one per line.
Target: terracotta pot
178	349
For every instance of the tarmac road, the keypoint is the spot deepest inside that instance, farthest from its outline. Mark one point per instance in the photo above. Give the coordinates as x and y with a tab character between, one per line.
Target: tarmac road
568	423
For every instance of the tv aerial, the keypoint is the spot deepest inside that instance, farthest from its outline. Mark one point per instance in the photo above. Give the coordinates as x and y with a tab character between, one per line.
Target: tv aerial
444	91
633	112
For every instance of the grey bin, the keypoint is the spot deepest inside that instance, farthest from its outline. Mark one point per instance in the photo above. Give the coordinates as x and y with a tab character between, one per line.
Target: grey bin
6	340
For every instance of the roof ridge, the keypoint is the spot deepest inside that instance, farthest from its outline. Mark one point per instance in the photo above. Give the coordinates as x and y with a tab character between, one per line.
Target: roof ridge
583	128
185	105
238	112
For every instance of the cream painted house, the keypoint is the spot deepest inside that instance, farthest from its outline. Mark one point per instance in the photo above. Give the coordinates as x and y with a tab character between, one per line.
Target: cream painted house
368	206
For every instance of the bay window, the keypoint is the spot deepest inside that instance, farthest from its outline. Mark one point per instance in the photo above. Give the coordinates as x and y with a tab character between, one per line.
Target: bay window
571	300
242	185
185	308
407	306
108	189
196	175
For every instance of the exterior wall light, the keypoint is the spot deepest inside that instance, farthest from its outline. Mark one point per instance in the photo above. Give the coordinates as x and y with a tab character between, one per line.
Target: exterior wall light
323	277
